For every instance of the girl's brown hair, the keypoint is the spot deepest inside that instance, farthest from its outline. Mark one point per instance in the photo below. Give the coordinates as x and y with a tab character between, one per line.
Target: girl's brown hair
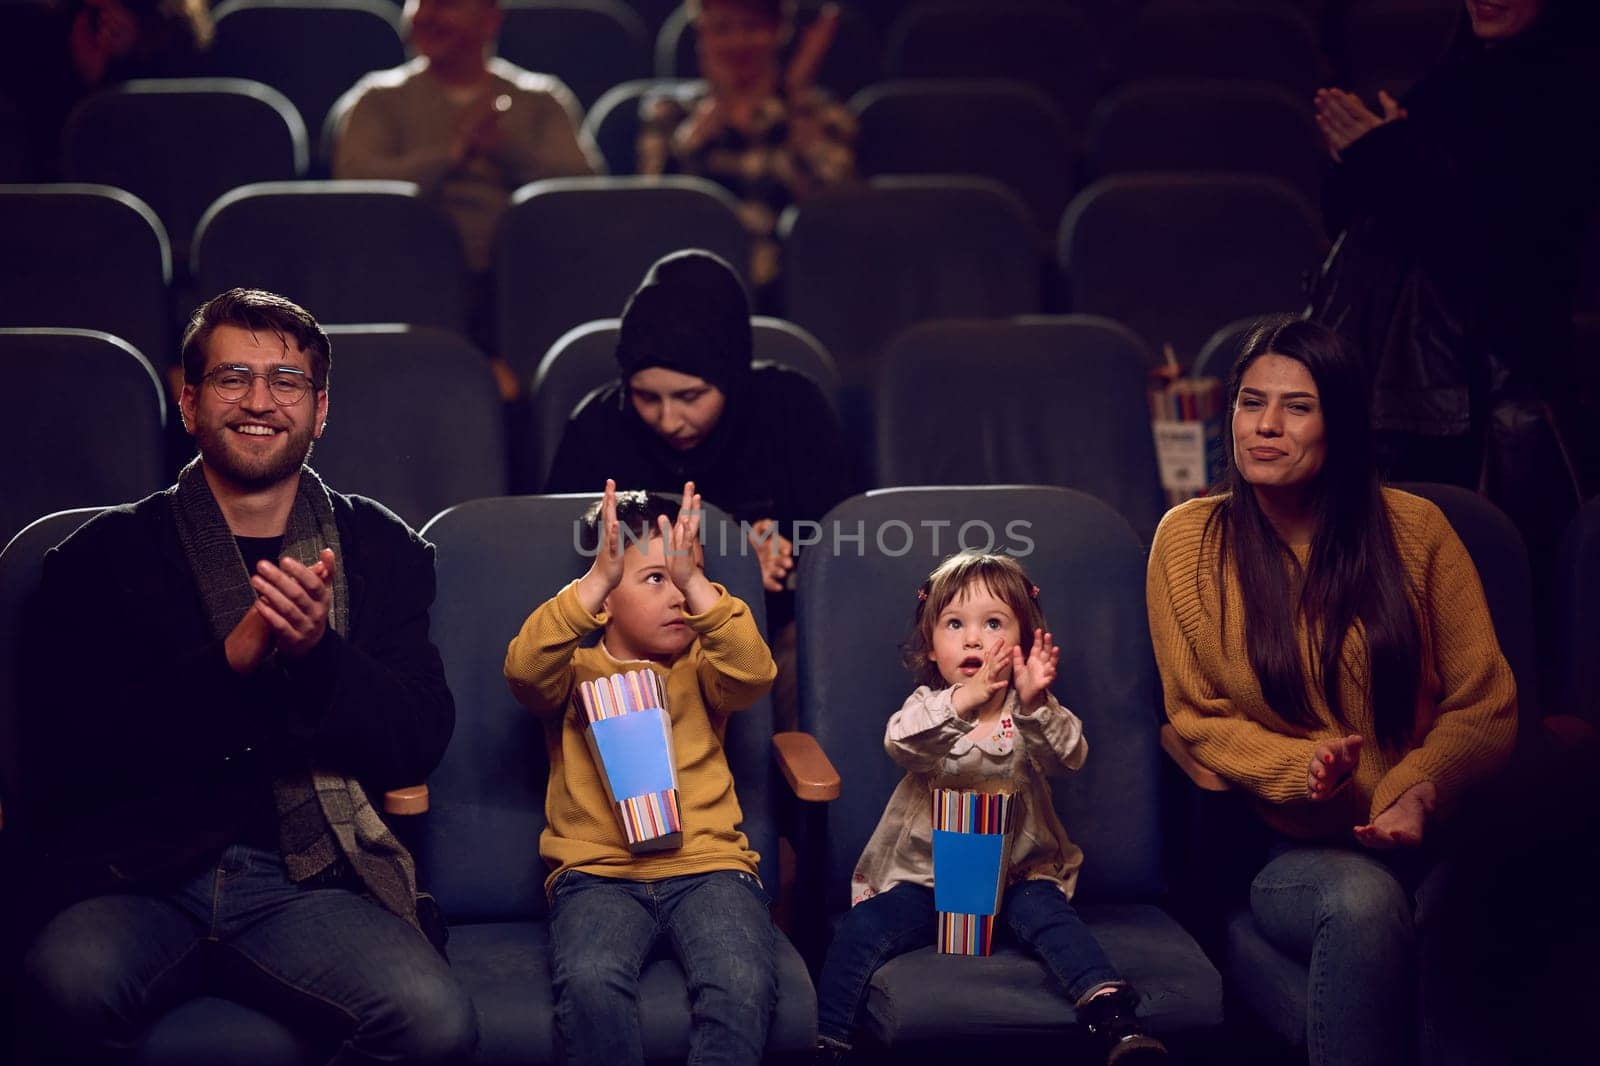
1000	574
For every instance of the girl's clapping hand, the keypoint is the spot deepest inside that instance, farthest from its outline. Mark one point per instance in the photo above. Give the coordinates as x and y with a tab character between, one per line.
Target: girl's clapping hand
977	691
1034	676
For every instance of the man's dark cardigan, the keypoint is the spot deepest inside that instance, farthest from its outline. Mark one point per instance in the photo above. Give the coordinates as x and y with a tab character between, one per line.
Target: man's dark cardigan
145	754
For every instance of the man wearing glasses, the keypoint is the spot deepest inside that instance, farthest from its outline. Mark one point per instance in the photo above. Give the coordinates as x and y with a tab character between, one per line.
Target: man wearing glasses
224	673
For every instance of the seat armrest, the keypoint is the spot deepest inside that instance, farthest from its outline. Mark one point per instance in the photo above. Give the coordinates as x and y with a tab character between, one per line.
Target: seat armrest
806	767
1178	750
412	799
1569	731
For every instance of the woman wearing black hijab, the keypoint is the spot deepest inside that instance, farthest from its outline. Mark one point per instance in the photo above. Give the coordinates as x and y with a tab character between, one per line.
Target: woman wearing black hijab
761	443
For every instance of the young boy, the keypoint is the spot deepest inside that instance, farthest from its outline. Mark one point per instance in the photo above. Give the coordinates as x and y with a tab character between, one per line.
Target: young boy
609	908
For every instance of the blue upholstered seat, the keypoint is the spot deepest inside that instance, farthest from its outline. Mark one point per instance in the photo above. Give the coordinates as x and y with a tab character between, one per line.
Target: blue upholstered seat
1578	617
860	265
590	45
572	250
855	608
613	120
356	251
1058	47
140	137
1232	125
1174	256
1263	40
309	51
105	445
96	258
418	420
478	846
993	128
1091	434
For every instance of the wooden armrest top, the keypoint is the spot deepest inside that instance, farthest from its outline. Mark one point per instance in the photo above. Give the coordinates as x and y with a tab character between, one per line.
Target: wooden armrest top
410	800
1178	751
806	767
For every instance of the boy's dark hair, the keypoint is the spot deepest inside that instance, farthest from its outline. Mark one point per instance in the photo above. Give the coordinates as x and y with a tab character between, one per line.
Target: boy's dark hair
258	312
637	514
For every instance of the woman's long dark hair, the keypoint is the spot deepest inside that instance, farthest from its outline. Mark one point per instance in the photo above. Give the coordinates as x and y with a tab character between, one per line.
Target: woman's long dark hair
1353	573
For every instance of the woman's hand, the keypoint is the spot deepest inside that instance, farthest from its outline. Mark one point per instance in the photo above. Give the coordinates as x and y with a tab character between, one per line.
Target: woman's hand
1034	677
1332	763
1402	825
976	691
774	552
1344	119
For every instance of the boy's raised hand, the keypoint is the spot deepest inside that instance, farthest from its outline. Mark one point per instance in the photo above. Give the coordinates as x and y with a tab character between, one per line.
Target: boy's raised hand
975	692
1034	675
605	573
685	563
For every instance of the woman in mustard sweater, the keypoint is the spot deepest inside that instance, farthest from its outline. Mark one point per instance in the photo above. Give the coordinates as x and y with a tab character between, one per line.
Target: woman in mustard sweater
1324	645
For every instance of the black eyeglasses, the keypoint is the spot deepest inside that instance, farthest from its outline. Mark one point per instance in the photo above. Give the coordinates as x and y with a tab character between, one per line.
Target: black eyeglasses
287	385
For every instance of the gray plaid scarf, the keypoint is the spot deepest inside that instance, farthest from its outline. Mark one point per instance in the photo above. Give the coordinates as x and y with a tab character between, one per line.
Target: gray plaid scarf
322	817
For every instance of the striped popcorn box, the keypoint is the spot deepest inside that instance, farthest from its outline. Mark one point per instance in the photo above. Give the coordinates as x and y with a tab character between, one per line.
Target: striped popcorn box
630	738
971	847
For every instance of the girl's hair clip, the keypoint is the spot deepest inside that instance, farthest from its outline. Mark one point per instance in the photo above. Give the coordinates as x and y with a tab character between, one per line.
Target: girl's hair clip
922	595
1033	590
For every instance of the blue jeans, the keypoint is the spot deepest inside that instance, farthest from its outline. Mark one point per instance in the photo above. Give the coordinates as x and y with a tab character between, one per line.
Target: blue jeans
1347	914
1035	914
602	929
324	957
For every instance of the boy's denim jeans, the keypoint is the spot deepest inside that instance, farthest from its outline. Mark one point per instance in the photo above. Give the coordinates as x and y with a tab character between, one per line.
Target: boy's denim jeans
603	929
1035	913
322	957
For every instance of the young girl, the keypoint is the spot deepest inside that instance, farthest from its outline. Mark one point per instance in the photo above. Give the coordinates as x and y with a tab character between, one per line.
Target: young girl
981	718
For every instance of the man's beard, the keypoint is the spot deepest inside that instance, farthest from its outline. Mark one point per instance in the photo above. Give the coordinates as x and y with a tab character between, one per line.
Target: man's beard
249	473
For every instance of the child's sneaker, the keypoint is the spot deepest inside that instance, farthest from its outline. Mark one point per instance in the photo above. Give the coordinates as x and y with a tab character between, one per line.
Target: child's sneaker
1111	1022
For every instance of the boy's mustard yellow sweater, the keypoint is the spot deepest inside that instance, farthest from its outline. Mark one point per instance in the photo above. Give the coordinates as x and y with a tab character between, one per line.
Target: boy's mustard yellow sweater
1466	718
727	668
